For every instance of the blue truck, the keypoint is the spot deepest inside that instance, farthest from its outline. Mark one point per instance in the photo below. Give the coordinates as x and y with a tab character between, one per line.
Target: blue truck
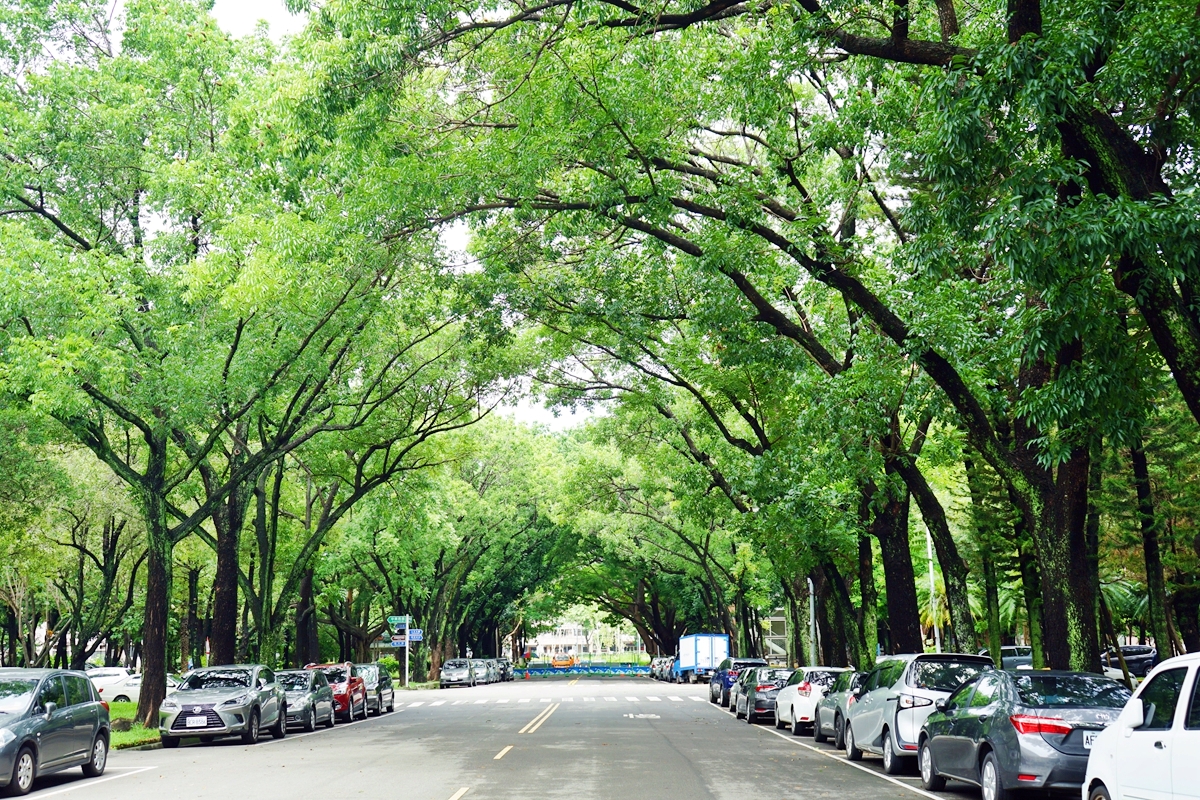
699	655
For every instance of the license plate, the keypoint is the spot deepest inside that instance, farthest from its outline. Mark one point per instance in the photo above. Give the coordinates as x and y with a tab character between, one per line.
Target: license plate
1088	738
197	722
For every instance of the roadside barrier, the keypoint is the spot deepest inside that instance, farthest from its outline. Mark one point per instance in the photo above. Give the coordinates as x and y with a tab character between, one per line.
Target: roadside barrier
584	669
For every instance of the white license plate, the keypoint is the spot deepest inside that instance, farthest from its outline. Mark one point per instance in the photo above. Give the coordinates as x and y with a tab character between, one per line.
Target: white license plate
1088	738
197	722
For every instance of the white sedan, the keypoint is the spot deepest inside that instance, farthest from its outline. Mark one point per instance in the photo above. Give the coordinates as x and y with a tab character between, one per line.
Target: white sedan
796	705
127	690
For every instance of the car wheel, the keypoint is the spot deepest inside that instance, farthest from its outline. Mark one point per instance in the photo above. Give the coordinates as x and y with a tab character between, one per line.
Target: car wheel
24	771
279	729
332	721
724	699
169	742
929	777
712	696
892	764
839	733
749	714
122	699
818	736
1099	793
989	780
252	729
737	709
852	751
796	729
94	768
779	724
310	719
378	704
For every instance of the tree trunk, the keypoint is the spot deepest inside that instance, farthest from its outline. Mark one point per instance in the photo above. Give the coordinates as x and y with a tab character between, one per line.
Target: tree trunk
953	567
157	609
1156	583
308	649
228	522
904	616
868	611
1032	591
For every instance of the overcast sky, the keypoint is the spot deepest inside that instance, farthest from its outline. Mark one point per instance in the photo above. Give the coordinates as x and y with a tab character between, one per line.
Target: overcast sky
240	16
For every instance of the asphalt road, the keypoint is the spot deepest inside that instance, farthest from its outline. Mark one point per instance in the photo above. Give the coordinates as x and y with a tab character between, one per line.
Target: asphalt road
548	738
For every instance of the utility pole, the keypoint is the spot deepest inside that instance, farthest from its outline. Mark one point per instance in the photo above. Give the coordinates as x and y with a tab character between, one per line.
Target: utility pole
933	603
812	623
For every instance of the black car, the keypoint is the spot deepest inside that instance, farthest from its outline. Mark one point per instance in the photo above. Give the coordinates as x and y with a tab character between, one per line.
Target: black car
758	692
724	676
1010	730
381	692
1139	658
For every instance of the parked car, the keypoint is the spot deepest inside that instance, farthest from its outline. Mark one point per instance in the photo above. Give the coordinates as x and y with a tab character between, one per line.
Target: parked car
128	690
457	672
1010	730
349	690
897	697
796	704
50	720
831	713
236	700
506	669
1012	656
309	698
757	698
381	693
656	667
739	688
1153	748
727	672
1139	659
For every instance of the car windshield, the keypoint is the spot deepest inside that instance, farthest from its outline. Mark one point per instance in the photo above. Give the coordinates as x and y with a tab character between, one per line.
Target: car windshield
217	679
747	662
15	694
779	676
823	679
335	674
293	681
943	675
1070	691
456	665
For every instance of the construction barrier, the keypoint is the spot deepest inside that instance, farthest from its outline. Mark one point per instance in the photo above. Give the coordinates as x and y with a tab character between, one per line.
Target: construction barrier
585	669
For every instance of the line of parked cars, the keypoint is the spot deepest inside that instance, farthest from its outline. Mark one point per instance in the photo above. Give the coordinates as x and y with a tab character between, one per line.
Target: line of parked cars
961	718
474	671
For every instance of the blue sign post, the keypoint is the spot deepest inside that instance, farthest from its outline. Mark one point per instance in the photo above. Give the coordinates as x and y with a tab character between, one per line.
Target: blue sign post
415	634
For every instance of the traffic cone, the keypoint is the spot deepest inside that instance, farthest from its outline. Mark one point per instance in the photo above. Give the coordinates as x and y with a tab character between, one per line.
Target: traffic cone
526	674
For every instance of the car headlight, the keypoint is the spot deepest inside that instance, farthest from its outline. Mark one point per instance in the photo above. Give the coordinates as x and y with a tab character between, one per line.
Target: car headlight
7	737
240	700
169	705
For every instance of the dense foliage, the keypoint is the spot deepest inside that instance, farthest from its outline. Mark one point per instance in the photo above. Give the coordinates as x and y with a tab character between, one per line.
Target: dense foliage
834	278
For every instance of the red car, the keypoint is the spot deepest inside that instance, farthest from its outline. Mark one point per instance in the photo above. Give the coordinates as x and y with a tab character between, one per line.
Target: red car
349	690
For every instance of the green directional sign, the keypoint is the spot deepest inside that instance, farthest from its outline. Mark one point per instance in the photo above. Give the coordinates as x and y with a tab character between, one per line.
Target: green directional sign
400	620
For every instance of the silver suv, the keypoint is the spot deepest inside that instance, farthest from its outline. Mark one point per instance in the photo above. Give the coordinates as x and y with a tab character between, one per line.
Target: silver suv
895	699
238	700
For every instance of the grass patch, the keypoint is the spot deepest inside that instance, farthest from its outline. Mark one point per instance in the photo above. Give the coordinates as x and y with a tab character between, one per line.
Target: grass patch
122	710
135	736
414	685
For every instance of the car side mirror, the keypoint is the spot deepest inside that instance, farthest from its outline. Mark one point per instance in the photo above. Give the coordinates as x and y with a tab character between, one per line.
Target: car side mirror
859	691
941	705
1133	716
50	709
262	683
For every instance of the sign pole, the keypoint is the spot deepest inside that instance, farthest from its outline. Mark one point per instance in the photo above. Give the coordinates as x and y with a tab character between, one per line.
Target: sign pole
406	663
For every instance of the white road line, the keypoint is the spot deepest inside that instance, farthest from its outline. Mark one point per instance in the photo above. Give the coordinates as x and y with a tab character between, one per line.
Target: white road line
676	699
701	699
868	770
544	700
632	699
569	699
523	700
418	703
502	700
457	795
86	784
436	703
500	755
611	699
459	702
589	699
654	699
481	702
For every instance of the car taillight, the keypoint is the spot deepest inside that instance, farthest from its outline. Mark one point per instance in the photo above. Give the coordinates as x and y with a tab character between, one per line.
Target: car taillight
733	673
912	701
804	688
1027	723
764	687
106	708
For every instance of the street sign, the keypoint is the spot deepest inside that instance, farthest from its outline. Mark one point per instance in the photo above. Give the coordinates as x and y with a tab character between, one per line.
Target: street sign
398	638
415	634
396	644
400	620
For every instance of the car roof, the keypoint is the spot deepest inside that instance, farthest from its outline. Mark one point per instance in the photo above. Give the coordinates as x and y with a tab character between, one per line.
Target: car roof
227	666
27	672
908	657
1187	658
